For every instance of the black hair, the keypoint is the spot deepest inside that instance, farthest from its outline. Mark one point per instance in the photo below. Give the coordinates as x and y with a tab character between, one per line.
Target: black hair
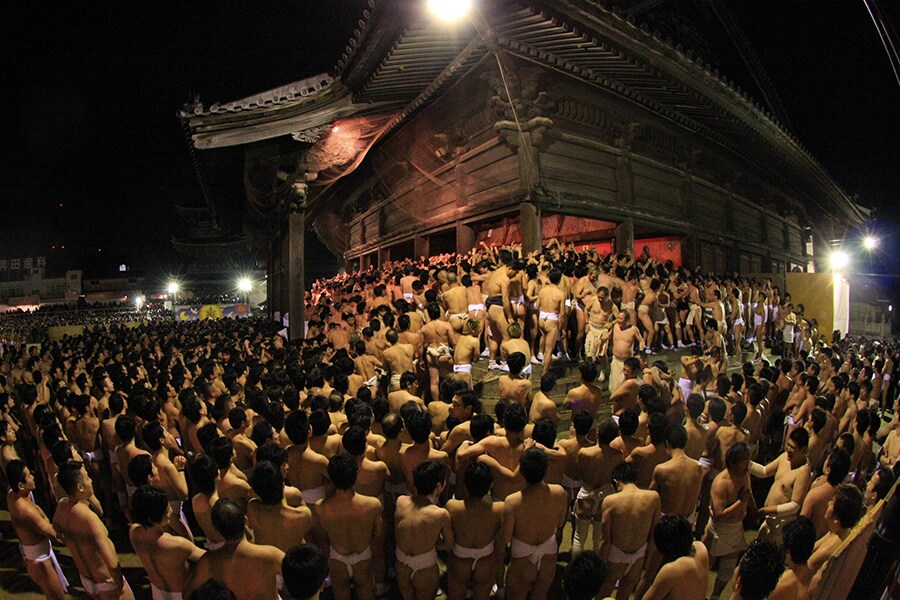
267	482
628	421
673	536
15	473
343	470
70	474
849	505
736	454
582	421
607	431
676	436
297	427
354	441
140	468
203	472
428	475
478	479
533	465
149	505
304	569
544	433
418	424
584	576
228	519
625	472
153	435
759	569
221	450
799	535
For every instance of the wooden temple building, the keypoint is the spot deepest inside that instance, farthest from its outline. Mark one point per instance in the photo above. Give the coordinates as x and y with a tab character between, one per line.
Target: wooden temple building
527	120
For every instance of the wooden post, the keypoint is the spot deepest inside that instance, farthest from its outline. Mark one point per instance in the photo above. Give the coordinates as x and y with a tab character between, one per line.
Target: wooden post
465	238
530	223
295	276
420	247
625	236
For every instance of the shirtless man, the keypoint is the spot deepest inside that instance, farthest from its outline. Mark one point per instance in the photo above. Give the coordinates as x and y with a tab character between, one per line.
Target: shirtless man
165	557
844	511
678	480
531	518
514	343
476	525
551	305
601	316
398	357
366	365
799	539
456	303
87	538
516	386
249	570
466	352
418	425
338	337
697	432
647	306
624	337
204	473
582	428
499	308
272	520
542	407
685	569
595	466
127	450
171	476
353	522
502	453
792	478
625	396
581	291
229	485
627	523
34	531
822	489
307	469
408	390
439	338
587	396
647	457
421	527
731	498
244	448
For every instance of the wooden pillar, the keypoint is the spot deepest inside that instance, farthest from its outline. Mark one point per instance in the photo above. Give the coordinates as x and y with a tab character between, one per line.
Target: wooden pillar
420	247
625	236
384	255
270	280
530	224
465	238
295	276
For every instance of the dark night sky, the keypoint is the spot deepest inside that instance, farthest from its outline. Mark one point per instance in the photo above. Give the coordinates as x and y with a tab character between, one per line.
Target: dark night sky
89	93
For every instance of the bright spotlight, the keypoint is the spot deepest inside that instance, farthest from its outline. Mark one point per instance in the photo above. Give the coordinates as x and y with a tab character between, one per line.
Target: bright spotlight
839	260
870	242
244	284
172	288
449	10
138	302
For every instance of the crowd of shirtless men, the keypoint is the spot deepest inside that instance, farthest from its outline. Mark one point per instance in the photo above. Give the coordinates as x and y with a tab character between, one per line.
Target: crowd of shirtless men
362	460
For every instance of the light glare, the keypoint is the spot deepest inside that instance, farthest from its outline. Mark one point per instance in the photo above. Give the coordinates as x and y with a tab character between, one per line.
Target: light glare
870	242
839	260
172	288
244	284
449	10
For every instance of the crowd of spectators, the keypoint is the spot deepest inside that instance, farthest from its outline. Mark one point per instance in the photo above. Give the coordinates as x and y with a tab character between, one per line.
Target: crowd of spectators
361	458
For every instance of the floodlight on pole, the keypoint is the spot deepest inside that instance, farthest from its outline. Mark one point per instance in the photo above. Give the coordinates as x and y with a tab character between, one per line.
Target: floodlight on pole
450	10
839	260
172	288
138	302
245	285
870	242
